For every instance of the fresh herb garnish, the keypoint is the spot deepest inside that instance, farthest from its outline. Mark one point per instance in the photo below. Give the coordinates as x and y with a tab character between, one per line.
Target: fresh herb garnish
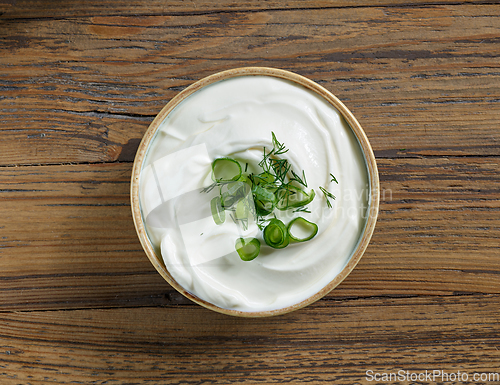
218	213
225	170
328	196
298	179
310	228
278	186
262	222
276	234
248	249
279	148
209	188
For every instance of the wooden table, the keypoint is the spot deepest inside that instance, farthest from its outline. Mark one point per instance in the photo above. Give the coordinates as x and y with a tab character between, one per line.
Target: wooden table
80	82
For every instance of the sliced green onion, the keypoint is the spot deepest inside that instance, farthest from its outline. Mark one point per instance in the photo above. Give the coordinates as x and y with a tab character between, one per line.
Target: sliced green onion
308	229
225	170
235	191
311	195
244	179
264	178
218	213
228	200
264	199
292	196
248	248
276	234
263	194
264	207
242	210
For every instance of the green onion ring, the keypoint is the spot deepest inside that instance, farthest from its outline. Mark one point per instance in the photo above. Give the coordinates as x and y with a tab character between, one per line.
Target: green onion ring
276	234
299	221
285	202
242	209
264	178
217	169
247	248
263	194
218	213
265	200
235	192
264	207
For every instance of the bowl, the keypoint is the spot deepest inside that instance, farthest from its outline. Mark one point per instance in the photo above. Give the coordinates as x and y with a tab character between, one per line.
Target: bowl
359	234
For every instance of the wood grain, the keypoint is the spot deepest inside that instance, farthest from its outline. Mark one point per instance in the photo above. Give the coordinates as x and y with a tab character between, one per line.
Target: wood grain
334	341
26	9
67	237
418	81
80	83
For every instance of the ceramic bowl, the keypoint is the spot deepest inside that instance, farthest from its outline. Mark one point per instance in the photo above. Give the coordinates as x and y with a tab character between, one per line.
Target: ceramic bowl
366	149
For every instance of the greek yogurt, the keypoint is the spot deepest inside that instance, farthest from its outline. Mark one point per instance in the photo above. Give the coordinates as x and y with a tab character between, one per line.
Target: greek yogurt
234	118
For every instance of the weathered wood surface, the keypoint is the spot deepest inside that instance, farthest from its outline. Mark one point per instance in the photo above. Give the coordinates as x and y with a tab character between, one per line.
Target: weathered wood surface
81	81
68	237
28	9
84	89
330	342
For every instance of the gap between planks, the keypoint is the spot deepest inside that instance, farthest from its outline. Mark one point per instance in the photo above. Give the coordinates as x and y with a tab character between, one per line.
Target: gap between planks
384	157
423	4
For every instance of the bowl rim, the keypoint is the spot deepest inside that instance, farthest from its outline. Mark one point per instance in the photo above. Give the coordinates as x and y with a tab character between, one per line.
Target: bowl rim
374	183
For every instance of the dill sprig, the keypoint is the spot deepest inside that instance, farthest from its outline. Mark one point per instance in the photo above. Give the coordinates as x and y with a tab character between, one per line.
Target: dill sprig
298	179
278	148
302	210
328	196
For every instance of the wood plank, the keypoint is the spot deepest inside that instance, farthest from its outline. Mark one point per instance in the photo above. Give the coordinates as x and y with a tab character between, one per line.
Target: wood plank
421	80
10	9
67	235
438	219
67	238
334	341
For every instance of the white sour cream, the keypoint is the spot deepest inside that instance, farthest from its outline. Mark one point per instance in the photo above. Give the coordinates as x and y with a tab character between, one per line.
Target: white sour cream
234	118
